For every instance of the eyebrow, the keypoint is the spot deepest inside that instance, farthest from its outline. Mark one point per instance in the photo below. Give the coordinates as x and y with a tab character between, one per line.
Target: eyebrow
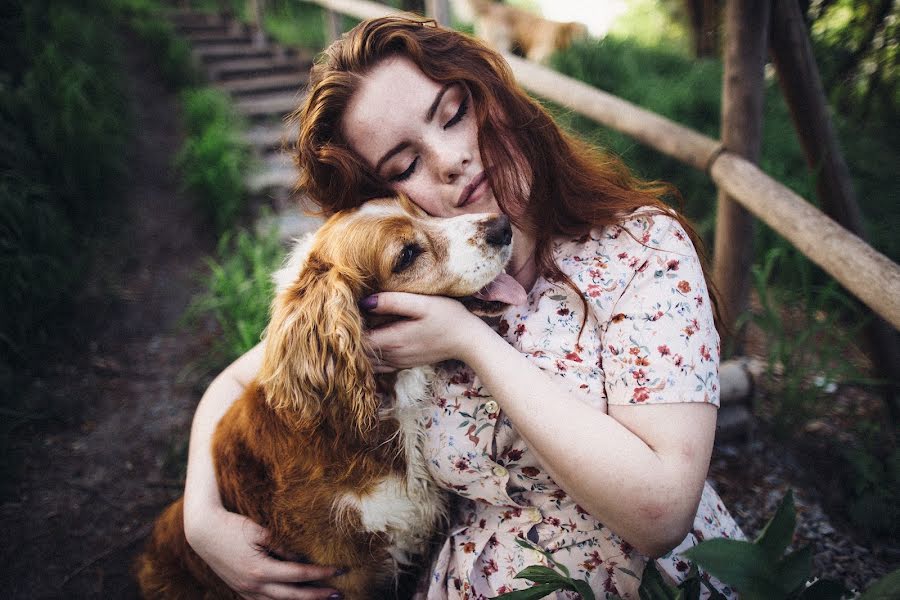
429	115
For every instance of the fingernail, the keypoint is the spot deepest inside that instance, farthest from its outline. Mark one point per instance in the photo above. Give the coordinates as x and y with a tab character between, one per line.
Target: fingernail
336	596
369	302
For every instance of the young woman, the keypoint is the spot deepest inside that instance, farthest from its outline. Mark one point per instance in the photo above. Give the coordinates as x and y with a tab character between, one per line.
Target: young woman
582	421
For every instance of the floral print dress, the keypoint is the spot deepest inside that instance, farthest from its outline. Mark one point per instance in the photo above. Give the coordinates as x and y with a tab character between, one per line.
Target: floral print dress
649	338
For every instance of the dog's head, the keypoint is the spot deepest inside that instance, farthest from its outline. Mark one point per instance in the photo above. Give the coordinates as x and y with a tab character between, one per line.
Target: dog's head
569	33
317	364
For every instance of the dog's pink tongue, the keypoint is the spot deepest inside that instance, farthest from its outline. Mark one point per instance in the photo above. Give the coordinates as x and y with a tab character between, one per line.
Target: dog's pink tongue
503	289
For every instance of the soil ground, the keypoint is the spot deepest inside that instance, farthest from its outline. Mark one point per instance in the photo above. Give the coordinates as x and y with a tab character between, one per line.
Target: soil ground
88	486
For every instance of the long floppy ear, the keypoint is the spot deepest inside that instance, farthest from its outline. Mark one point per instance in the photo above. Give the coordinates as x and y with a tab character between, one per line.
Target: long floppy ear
316	365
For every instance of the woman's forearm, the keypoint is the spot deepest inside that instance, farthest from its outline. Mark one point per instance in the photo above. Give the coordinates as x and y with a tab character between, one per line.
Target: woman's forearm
643	481
201	493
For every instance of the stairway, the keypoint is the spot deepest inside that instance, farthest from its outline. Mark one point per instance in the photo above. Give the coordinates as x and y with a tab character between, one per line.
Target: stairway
266	82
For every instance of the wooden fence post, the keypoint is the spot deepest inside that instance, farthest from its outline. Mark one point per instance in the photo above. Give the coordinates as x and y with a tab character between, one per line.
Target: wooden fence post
802	87
745	50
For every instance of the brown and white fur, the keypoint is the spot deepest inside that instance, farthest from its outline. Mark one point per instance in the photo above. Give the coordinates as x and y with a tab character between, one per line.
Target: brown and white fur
316	450
510	29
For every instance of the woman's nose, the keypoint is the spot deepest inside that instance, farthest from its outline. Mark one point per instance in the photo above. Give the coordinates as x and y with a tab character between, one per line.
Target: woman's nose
453	164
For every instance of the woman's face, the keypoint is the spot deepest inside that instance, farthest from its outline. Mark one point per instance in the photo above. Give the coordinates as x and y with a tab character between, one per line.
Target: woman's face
421	136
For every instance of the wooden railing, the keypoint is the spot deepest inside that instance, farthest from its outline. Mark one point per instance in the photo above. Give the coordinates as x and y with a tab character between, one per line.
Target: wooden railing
865	272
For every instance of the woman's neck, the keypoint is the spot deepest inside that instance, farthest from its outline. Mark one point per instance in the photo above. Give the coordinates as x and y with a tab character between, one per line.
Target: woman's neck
523	264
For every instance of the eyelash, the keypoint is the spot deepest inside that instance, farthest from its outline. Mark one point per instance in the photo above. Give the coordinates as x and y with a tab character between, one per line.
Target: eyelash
463	109
407	173
460	113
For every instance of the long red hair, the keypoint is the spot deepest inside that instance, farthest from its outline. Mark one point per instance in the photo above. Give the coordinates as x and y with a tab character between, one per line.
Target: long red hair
548	181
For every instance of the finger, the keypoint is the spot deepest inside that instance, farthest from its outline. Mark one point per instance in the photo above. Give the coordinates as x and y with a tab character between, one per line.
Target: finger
284	591
395	303
293	572
384	369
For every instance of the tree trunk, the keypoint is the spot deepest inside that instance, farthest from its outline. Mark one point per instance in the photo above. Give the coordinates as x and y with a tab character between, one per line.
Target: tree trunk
801	84
746	45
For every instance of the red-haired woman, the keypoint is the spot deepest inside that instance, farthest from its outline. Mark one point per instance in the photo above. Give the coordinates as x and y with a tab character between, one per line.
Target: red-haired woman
583	421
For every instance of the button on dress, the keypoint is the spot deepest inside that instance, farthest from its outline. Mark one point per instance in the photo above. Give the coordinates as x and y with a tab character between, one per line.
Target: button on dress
649	338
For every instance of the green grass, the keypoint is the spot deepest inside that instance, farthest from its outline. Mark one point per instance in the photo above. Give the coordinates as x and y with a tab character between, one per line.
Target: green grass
172	53
239	289
214	160
64	129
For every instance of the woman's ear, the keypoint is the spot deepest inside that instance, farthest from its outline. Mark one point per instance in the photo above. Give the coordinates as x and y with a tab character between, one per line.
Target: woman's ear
316	365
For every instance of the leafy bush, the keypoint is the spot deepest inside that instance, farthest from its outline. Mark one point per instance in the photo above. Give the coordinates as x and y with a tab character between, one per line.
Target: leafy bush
807	337
239	290
64	125
173	54
214	159
871	476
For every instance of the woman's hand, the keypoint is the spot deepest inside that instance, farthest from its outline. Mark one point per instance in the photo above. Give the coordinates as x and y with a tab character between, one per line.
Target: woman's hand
433	329
235	548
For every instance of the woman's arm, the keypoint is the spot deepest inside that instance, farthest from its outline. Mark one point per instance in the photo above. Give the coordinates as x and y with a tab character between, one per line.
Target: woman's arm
231	544
639	470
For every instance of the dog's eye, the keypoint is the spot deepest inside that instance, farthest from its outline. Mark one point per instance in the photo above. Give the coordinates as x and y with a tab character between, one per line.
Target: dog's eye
407	257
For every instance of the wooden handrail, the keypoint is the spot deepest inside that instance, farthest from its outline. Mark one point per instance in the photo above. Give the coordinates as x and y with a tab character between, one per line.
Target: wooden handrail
865	272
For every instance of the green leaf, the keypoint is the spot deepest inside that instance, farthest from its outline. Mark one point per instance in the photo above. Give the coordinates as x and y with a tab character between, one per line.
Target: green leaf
690	587
582	587
824	589
886	588
541	574
653	587
793	570
779	531
742	565
532	593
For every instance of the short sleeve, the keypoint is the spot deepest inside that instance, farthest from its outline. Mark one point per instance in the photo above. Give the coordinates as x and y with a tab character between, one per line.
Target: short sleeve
659	343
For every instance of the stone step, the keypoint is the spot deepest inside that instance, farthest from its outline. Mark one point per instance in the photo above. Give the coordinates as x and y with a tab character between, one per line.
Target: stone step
271	136
223	29
267	83
275	174
291	224
269	105
192	18
230	37
255	67
212	54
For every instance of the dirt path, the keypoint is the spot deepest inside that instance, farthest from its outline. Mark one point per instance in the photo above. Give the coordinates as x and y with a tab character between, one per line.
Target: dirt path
89	490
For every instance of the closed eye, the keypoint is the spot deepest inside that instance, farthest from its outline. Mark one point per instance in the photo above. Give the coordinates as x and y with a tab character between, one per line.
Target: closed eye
407	173
407	257
460	113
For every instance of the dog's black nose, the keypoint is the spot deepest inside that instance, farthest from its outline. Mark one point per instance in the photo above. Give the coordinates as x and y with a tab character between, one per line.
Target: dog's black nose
498	231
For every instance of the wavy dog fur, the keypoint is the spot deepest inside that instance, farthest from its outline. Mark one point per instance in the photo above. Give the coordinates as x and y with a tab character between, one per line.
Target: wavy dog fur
316	450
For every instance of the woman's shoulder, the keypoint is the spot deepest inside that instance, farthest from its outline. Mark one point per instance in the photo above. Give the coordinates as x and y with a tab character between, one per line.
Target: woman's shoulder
626	244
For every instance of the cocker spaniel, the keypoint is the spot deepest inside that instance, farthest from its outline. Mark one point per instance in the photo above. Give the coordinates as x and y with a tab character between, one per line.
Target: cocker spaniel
319	450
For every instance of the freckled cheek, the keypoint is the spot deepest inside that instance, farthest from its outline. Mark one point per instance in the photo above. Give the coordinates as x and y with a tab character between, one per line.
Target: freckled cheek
425	196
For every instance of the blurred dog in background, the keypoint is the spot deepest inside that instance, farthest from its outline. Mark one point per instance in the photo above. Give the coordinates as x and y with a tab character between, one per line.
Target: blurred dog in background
509	29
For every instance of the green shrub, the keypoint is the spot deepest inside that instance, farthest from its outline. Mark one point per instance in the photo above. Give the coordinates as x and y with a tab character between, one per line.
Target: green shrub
172	53
807	337
64	126
871	476
215	159
239	290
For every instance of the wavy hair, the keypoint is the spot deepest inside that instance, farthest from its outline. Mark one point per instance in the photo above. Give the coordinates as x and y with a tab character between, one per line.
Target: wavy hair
548	181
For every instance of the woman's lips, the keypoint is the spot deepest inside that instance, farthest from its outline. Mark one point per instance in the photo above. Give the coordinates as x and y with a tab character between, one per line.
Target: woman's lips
473	191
